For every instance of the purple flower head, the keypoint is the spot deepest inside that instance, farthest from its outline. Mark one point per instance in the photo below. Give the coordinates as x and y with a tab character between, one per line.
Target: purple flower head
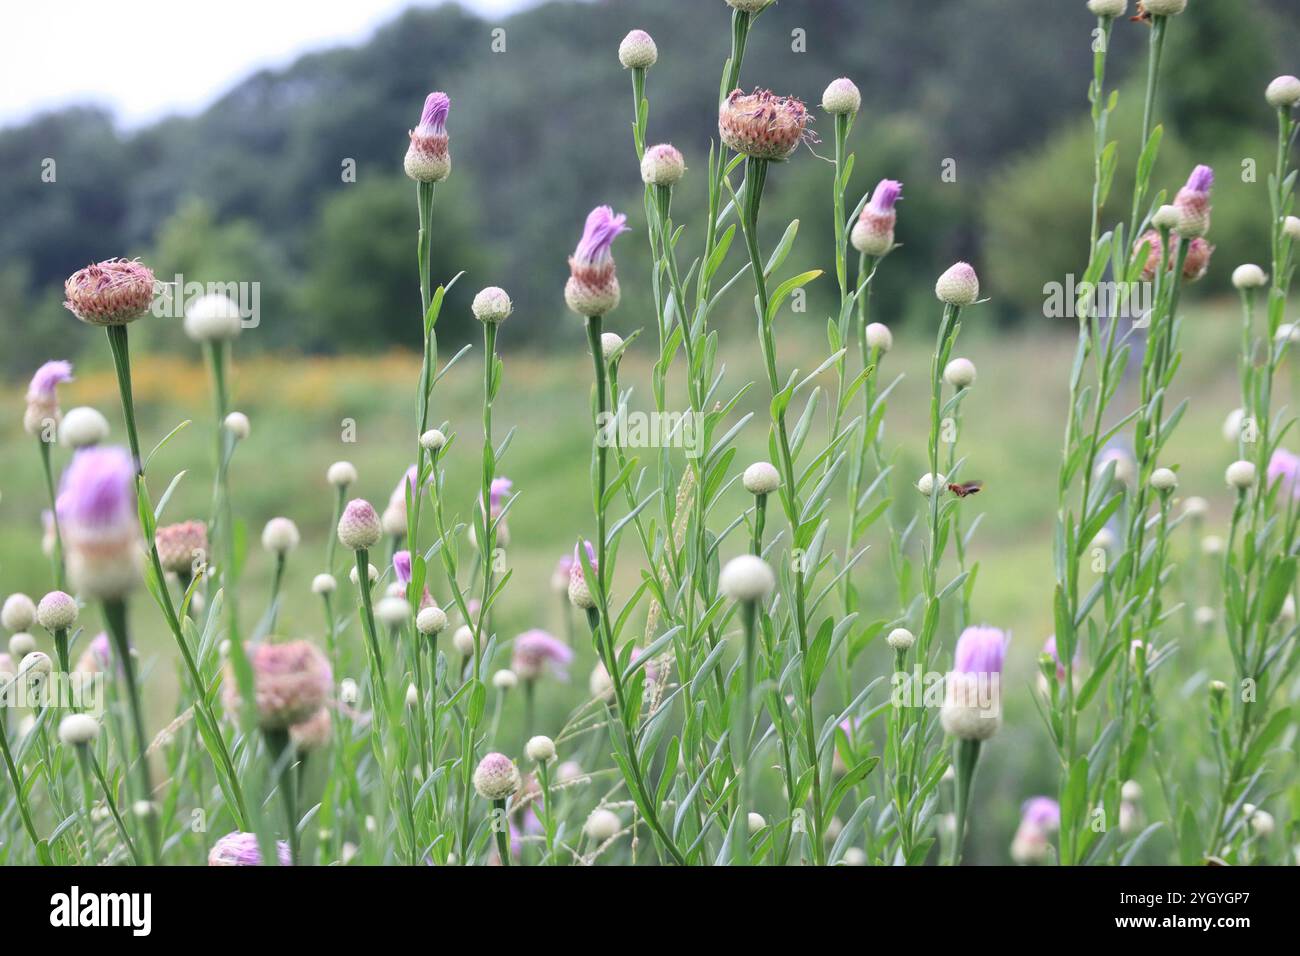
499	489
1201	180
97	490
1049	648
402	566
591	556
564	566
981	650
535	651
1285	467
602	228
434	118
1043	813
888	192
241	849
47	376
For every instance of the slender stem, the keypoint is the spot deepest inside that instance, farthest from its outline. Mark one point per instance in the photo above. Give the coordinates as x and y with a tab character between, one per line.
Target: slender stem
56	557
501	827
115	624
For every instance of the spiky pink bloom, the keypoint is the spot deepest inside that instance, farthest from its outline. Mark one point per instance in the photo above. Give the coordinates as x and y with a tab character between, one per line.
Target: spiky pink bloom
428	159
241	849
536	651
291	681
1041	812
593	282
42	400
97	516
972	706
1193	203
314	733
1049	648
180	544
1285	467
497	492
763	125
402	566
873	233
112	292
560	576
1197	263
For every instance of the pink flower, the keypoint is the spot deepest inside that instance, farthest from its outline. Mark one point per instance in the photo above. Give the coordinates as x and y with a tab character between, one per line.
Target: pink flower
1285	467
980	650
593	287
112	292
873	234
763	125
97	516
1041	812
42	401
1193	203
428	159
241	849
535	651
291	681
402	566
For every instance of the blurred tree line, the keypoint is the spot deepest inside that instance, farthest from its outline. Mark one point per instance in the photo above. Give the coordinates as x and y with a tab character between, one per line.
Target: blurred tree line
293	178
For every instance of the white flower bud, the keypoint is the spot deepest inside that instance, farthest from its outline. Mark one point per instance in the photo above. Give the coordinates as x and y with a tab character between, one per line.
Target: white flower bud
1205	616
960	373
1287	332
431	620
492	306
638	51
496	777
57	611
392	611
75	729
755	821
929	483
83	426
610	343
855	856
842	96
602	825
323	584
1166	217
18	613
212	318
761	478
1291	226
879	337
463	640
1131	791
412	695
1240	474
958	286
1107	8
504	679
371	571
900	639
1165	8
1196	507
280	536
1232	425
1212	545
746	578
1283	92
20	645
237	424
1248	276
540	749
749	6
663	165
341	474
433	440
1164	479
1261	821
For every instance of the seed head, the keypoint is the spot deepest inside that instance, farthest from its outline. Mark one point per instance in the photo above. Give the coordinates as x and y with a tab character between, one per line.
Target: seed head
763	125
112	292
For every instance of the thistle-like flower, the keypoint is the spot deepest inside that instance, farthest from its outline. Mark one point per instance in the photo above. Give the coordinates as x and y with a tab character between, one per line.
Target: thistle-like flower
873	233
428	160
580	595
41	416
1284	466
763	125
314	733
180	546
100	524
241	849
972	707
112	292
1040	817
291	681
1193	204
593	288
536	652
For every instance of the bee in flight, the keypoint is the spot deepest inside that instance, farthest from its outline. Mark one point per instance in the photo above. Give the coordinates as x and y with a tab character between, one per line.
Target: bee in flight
1142	15
966	490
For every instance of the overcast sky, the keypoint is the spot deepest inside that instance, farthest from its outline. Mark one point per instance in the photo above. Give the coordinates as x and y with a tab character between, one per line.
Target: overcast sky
153	57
